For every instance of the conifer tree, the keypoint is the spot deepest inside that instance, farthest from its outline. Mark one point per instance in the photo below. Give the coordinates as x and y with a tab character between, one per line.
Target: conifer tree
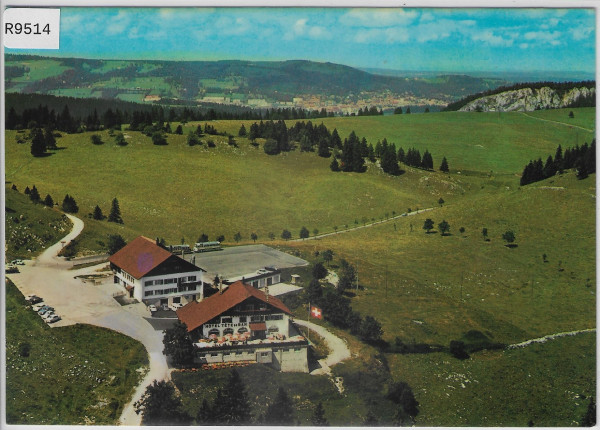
281	411
48	201
69	205
334	166
115	212
34	195
178	345
98	215
444	166
49	138
231	406
38	143
318	419
242	132
161	406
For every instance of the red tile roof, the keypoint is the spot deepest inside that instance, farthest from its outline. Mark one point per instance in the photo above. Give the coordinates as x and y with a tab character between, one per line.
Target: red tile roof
194	314
139	256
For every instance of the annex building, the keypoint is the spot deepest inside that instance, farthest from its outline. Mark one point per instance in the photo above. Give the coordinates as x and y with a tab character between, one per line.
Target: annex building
243	323
152	274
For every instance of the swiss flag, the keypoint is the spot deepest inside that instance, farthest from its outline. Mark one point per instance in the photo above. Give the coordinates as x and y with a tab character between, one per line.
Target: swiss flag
316	312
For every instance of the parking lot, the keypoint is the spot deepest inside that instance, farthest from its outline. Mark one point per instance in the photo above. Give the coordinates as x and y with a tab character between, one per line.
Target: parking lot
240	260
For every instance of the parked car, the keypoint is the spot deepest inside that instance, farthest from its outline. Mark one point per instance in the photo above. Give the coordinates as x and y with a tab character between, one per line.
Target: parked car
52	319
11	268
33	299
18	262
45	310
38	306
175	306
152	308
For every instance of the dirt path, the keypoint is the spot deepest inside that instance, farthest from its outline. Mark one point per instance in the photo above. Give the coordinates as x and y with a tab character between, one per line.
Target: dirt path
557	122
550	337
319	236
82	302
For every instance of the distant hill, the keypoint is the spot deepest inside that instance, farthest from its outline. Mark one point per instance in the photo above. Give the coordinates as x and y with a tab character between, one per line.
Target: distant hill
233	82
529	97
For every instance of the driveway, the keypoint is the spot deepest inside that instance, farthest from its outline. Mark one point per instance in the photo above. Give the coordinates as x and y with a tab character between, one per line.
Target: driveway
338	349
82	302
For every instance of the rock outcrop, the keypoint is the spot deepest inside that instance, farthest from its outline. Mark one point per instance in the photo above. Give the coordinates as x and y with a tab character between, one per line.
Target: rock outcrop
527	99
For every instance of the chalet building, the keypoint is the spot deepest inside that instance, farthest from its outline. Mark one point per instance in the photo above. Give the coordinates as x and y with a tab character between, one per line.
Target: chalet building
243	323
153	275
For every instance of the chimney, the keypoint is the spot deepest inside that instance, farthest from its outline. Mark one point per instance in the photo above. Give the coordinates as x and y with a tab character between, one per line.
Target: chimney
157	241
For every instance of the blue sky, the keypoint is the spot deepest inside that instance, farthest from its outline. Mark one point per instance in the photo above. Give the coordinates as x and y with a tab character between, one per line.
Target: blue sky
458	40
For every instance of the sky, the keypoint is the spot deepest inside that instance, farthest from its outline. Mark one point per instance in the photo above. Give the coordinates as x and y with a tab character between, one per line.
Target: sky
420	39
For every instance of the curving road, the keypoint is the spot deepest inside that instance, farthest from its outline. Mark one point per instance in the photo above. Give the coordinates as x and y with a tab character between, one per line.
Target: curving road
339	349
77	301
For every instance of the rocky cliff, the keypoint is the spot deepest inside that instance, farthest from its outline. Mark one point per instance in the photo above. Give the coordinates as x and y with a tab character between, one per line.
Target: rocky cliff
527	99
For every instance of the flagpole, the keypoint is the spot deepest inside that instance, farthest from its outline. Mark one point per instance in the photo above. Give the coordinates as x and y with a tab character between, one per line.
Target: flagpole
308	326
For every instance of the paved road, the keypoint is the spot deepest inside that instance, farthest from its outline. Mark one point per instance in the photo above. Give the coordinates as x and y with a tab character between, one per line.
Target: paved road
82	302
338	349
319	236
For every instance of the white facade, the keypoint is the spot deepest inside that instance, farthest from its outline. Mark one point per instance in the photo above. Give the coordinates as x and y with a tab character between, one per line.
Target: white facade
165	287
282	357
276	324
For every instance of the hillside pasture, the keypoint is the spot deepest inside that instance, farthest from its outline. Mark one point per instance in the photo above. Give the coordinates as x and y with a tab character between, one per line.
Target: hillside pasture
501	143
430	288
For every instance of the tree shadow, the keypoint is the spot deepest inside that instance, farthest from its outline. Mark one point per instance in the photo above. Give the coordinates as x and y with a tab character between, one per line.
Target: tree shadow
511	245
446	234
432	232
44	155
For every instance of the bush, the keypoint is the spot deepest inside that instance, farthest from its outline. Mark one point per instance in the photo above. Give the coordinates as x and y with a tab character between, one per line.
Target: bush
271	147
24	349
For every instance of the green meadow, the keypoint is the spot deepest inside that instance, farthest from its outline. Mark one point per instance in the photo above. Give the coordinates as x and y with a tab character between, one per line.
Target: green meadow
54	377
422	287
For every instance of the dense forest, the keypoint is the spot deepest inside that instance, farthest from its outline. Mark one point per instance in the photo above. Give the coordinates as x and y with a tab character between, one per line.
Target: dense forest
582	158
560	87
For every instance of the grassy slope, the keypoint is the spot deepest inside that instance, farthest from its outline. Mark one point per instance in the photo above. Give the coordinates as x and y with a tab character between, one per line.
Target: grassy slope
546	383
502	143
64	380
190	190
424	284
30	228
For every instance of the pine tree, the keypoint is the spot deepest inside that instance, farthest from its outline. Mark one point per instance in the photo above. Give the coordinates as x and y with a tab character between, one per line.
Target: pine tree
281	411
49	138
161	406
115	212
318	419
38	143
34	195
242	132
178	345
324	148
444	166
98	215
231	406
69	205
334	166
48	201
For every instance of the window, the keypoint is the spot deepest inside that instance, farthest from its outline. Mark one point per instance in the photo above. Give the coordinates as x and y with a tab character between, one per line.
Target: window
250	307
191	278
148	293
256	318
243	319
273	329
225	320
264	354
148	283
276	317
158	282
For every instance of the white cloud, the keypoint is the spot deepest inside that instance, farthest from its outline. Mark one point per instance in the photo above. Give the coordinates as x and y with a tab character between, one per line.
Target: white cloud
551	37
491	38
301	29
524	45
385	35
118	24
380	17
580	33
